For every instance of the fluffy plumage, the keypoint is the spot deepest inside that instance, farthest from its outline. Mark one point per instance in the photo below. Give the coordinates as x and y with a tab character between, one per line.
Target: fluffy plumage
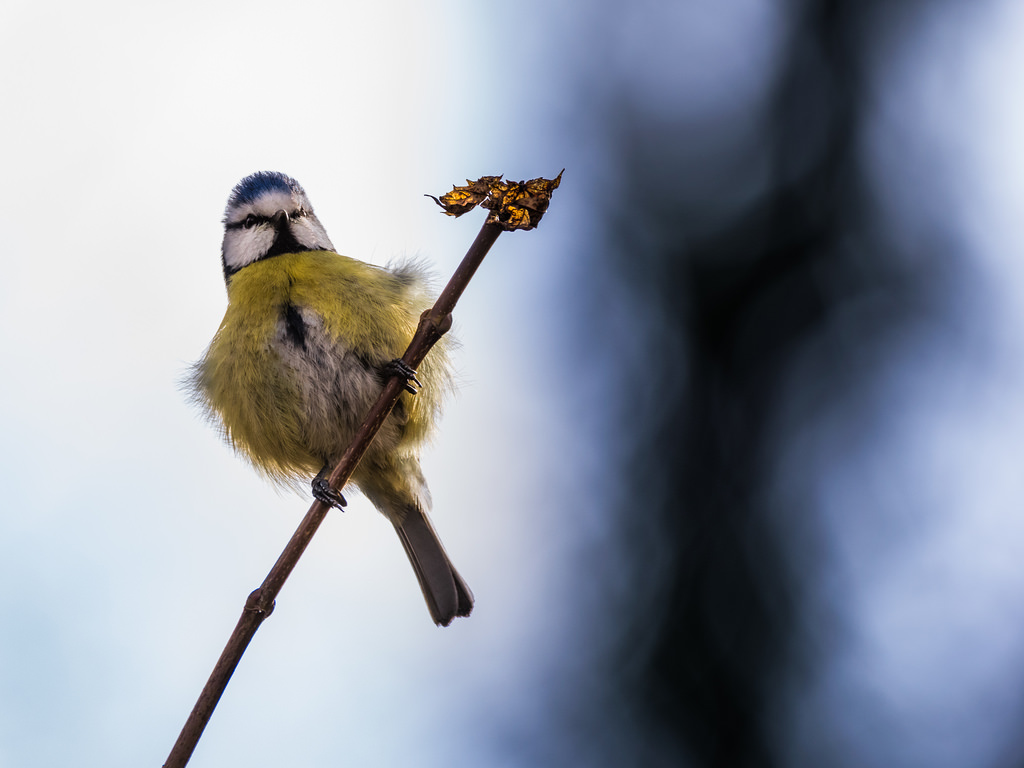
299	360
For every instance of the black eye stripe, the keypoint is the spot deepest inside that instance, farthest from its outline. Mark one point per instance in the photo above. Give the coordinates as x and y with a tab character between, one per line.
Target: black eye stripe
249	221
253	219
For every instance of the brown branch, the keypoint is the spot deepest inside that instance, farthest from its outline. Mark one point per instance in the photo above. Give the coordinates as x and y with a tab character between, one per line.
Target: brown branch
434	323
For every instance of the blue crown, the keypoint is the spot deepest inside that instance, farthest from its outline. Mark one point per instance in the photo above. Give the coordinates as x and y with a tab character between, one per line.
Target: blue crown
251	188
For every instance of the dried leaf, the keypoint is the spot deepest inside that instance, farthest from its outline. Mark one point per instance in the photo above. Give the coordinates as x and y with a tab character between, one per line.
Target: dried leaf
464	199
513	205
521	205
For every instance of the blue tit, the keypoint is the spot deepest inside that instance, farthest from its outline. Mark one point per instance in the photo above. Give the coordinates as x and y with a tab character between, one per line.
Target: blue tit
307	343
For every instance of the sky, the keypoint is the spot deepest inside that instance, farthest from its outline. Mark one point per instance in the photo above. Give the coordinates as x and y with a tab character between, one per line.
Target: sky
130	535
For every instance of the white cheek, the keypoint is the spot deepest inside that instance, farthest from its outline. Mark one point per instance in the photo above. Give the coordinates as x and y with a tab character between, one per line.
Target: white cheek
244	246
309	232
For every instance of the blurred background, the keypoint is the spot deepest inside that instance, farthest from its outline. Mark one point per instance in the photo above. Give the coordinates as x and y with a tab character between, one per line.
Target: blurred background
734	466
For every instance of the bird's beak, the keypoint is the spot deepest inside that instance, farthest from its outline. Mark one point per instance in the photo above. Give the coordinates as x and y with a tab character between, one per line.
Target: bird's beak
280	218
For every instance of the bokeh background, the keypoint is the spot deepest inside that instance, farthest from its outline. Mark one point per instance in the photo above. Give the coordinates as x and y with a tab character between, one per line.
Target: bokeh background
734	470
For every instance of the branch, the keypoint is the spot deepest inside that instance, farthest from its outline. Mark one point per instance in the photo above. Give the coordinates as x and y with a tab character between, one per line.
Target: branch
511	208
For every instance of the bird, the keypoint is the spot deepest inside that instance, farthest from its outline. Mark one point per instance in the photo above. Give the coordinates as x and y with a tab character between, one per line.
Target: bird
308	341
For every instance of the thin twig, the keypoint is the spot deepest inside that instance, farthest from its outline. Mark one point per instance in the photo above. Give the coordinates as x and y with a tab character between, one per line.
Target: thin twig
434	323
512	206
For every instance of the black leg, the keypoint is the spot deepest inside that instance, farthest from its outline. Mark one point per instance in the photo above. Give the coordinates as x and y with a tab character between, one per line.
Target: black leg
399	368
322	490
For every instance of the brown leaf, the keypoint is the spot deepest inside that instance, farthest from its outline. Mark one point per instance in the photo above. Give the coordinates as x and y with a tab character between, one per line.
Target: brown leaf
464	199
520	205
513	205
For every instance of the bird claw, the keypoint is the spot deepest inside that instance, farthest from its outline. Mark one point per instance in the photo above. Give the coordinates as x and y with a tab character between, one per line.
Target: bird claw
323	492
399	368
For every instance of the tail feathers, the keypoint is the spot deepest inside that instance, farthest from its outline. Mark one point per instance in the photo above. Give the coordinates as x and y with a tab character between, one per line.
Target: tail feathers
444	590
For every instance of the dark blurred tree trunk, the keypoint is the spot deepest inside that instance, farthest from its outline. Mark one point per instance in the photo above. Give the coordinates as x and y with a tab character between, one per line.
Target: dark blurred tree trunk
707	667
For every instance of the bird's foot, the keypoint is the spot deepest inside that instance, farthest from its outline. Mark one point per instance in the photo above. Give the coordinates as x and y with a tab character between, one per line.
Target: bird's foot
399	368
323	492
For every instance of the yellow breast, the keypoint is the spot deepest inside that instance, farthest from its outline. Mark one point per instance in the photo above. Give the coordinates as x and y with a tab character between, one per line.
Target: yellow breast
285	408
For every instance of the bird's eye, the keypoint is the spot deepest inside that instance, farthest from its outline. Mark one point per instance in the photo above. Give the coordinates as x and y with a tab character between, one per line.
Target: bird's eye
250	221
300	213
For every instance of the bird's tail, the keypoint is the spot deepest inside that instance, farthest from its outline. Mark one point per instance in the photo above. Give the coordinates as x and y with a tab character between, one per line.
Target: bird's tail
444	590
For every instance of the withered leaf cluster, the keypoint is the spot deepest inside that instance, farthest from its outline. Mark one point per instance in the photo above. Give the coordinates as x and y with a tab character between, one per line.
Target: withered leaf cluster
512	204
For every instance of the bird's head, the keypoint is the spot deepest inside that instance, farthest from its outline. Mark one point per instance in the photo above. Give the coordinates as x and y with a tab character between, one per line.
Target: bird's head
269	214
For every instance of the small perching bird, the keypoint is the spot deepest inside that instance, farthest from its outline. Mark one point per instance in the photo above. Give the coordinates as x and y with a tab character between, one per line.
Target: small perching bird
307	342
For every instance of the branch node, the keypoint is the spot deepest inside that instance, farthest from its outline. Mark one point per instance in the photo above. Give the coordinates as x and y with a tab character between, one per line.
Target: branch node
433	325
254	603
